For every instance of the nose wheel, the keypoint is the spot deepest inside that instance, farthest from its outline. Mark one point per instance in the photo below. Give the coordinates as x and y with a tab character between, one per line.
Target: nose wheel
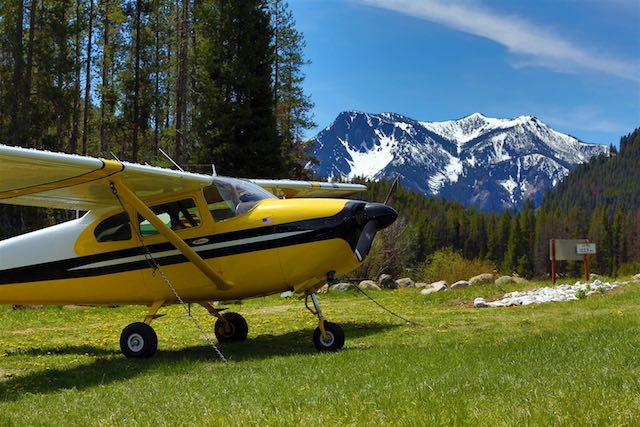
328	336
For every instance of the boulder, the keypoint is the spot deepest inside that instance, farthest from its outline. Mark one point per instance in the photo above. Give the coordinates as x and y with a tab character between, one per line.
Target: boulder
286	294
387	282
519	280
421	285
440	286
505	280
481	279
323	289
479	303
341	287
636	277
369	285
460	284
405	282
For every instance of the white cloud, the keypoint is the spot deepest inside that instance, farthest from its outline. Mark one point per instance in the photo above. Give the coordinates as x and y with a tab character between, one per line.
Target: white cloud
540	46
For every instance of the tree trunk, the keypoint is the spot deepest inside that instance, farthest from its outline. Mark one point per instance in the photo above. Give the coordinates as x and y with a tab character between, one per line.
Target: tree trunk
276	55
105	77
181	81
87	86
15	135
156	95
73	143
136	87
29	72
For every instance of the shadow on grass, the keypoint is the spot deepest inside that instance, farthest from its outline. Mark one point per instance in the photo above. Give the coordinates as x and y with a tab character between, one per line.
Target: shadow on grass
111	367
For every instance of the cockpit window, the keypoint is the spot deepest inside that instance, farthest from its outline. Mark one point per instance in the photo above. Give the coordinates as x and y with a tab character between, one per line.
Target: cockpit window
114	229
230	197
176	215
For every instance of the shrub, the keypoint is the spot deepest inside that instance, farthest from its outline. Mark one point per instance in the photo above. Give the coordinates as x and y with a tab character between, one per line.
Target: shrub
629	269
446	264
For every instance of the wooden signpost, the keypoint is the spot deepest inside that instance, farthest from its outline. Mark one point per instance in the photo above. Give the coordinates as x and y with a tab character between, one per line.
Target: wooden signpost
570	250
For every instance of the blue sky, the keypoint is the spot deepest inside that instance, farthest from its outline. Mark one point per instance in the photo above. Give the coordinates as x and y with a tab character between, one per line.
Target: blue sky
575	64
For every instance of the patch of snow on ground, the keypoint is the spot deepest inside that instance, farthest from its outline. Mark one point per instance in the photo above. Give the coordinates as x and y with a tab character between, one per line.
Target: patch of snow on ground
549	294
370	162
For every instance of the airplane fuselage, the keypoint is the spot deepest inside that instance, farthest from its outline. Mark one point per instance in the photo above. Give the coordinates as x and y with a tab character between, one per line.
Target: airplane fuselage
275	246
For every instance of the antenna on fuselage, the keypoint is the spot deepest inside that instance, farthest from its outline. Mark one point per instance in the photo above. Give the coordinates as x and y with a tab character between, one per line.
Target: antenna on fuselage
114	156
213	170
170	159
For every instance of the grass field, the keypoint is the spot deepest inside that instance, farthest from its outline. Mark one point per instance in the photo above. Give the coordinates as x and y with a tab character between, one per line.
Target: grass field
574	363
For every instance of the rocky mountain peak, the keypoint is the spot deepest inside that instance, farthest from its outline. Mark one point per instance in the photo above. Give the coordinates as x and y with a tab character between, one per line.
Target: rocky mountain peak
492	163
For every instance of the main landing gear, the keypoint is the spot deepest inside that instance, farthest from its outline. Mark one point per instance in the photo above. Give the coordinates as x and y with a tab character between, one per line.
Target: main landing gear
328	336
139	340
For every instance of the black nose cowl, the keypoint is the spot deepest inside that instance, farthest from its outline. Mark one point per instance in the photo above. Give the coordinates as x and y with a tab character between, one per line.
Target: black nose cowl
384	215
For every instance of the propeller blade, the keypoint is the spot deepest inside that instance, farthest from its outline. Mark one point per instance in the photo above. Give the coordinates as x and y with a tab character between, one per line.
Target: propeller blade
366	239
392	190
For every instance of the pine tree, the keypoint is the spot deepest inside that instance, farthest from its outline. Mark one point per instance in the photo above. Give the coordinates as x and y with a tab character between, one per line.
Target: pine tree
235	122
292	106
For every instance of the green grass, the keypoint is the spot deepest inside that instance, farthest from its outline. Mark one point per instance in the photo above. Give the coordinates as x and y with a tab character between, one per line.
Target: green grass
572	363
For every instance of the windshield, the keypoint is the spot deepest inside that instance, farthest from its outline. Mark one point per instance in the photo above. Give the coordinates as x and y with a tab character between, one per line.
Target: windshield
230	197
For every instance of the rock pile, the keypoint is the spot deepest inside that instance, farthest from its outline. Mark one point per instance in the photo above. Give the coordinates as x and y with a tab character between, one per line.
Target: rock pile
440	286
549	294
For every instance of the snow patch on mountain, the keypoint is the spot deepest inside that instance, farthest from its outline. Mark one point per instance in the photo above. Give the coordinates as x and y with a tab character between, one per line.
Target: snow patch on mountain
368	163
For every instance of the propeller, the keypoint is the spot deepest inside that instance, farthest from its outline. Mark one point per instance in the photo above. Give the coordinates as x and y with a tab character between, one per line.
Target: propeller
375	217
366	239
392	190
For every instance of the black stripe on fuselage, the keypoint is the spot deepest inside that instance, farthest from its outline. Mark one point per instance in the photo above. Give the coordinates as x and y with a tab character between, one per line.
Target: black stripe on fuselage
341	225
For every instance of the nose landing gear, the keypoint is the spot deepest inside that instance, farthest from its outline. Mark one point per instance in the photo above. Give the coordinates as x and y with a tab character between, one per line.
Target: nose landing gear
328	336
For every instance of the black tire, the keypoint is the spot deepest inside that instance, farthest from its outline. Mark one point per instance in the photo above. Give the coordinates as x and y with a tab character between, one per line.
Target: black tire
239	328
138	340
335	335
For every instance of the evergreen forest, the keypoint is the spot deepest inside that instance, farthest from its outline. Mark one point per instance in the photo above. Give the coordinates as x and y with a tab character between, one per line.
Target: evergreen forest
599	200
207	81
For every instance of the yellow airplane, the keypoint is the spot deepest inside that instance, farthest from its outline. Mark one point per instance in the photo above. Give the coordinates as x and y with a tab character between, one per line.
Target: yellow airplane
211	239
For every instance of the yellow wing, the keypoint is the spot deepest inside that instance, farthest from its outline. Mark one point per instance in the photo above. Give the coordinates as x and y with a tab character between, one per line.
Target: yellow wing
54	180
290	189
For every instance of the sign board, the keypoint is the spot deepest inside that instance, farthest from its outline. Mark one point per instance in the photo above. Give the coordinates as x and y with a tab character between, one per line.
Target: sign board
586	248
566	250
570	250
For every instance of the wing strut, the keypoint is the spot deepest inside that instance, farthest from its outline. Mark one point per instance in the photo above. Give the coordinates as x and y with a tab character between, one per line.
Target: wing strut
184	248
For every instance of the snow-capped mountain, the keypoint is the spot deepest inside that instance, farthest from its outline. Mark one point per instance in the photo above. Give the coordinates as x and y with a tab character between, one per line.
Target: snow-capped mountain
493	164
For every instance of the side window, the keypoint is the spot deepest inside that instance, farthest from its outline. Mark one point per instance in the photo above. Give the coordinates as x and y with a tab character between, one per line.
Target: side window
114	229
177	215
220	208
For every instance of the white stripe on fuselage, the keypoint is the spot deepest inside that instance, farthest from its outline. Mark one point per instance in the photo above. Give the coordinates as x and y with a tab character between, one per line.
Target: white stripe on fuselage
174	252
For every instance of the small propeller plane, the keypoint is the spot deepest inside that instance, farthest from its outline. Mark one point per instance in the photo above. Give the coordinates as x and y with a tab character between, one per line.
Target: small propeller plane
214	239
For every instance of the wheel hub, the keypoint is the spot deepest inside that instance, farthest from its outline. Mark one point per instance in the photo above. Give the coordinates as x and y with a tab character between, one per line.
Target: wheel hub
135	342
329	341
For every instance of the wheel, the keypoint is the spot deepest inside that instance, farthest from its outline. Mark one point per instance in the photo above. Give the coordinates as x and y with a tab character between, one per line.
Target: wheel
238	328
335	337
138	340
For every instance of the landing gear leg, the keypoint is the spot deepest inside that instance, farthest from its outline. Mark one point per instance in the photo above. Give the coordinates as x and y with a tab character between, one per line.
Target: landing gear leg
139	339
229	327
327	336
